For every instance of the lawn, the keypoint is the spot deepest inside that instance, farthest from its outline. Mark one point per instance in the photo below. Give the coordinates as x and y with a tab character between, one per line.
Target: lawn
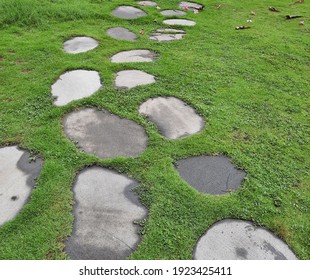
251	86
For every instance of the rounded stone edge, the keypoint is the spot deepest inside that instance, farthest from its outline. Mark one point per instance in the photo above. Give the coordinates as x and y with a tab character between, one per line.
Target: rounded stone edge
78	36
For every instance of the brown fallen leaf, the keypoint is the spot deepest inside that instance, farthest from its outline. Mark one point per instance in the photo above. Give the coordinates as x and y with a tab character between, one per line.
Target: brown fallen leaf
273	9
253	13
141	31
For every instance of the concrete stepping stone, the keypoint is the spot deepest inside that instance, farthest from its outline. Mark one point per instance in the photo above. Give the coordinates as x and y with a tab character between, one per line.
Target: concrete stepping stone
128	12
210	174
121	34
147	3
80	45
241	240
75	85
182	22
17	179
105	211
172	116
190	5
134	56
104	134
171	13
170	30
129	79
164	37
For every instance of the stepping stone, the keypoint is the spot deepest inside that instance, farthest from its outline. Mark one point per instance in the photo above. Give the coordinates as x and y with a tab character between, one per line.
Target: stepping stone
191	5
129	79
147	3
75	85
128	12
163	37
17	179
104	134
241	240
121	34
105	211
172	116
171	13
134	56
170	30
80	45
182	22
210	174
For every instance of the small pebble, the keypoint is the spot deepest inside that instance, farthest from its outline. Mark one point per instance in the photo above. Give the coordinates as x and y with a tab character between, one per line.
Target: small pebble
302	23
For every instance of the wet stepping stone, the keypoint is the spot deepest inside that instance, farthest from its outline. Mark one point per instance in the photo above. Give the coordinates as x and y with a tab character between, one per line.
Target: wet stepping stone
134	56
17	179
128	12
190	5
171	13
105	211
172	116
104	134
121	34
75	85
129	79
182	22
163	35
241	240
210	174
80	45
147	3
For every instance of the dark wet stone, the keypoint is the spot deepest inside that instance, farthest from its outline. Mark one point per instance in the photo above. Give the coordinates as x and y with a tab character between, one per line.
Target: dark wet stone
241	240
128	12
105	211
210	174
121	34
104	134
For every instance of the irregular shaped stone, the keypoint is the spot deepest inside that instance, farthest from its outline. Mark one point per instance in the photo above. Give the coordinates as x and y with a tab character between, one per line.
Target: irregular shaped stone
182	22
128	12
134	56
121	34
147	3
105	211
172	116
210	174
104	134
80	45
129	79
191	5
241	240
163	37
170	30
17	179
171	13
75	85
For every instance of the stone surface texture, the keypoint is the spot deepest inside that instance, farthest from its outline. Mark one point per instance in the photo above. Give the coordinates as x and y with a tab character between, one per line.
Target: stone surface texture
182	22
171	13
121	33
170	30
17	179
147	3
128	12
75	85
104	134
105	211
128	79
164	37
241	240
172	116
210	174
191	5
134	56
80	45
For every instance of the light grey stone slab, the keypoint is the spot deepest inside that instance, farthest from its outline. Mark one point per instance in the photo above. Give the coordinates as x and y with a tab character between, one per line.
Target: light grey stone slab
147	3
128	12
172	116
210	174
104	134
171	13
17	179
164	37
121	34
80	45
191	5
134	56
75	85
170	30
105	211
241	240
129	79
182	22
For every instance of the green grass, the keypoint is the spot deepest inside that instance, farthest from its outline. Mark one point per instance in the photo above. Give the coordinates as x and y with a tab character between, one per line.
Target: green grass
251	86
